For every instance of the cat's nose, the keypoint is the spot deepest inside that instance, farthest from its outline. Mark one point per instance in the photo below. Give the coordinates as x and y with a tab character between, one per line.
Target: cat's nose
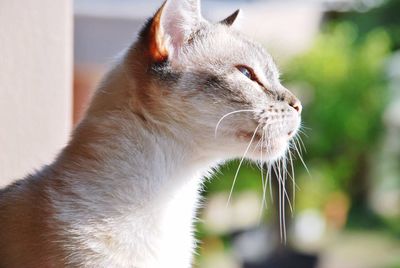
288	97
296	104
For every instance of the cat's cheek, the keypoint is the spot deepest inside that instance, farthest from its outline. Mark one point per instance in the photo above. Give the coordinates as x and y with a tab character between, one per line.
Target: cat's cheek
293	127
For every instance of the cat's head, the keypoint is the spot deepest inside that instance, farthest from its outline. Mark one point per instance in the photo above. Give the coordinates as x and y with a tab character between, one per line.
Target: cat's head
211	84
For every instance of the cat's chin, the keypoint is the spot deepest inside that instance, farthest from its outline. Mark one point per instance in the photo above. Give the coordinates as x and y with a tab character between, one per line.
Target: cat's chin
272	151
275	149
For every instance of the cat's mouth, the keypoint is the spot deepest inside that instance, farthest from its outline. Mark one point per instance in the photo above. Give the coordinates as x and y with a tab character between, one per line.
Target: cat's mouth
265	149
256	137
247	136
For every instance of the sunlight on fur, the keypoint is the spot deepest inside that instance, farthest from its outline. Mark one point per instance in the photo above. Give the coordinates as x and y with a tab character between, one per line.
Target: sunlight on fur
187	96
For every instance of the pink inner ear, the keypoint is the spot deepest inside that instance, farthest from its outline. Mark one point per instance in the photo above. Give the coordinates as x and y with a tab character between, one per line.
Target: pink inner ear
173	26
178	20
176	36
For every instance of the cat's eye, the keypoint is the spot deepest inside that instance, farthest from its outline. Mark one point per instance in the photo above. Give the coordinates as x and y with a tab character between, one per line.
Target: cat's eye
246	71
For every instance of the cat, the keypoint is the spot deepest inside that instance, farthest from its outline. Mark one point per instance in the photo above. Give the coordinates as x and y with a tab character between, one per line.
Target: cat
185	97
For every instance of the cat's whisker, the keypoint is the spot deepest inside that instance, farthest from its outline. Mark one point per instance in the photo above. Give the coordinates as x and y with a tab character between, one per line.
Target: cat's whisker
293	179
302	143
225	116
301	131
269	178
280	199
259	144
241	162
281	171
304	127
301	159
285	174
284	162
296	142
263	180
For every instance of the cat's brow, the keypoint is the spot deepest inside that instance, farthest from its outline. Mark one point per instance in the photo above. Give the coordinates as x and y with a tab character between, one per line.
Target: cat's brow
269	73
266	61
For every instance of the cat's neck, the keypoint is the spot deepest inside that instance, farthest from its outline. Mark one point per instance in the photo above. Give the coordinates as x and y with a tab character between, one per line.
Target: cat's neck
144	180
123	151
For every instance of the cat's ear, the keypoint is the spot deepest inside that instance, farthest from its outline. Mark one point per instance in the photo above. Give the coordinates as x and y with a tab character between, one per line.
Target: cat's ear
172	26
231	19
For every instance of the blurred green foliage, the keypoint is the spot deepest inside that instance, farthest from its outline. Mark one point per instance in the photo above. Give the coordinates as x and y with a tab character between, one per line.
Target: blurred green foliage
385	16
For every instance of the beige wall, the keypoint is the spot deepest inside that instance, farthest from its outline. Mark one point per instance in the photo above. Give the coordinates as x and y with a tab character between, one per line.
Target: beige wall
35	83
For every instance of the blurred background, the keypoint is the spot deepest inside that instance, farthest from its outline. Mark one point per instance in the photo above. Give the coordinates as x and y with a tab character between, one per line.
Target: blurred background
340	57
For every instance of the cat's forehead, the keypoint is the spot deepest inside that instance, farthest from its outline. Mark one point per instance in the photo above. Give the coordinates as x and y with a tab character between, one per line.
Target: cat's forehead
221	42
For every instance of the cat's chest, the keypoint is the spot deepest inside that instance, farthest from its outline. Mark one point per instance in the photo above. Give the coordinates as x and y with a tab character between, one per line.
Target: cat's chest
159	235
